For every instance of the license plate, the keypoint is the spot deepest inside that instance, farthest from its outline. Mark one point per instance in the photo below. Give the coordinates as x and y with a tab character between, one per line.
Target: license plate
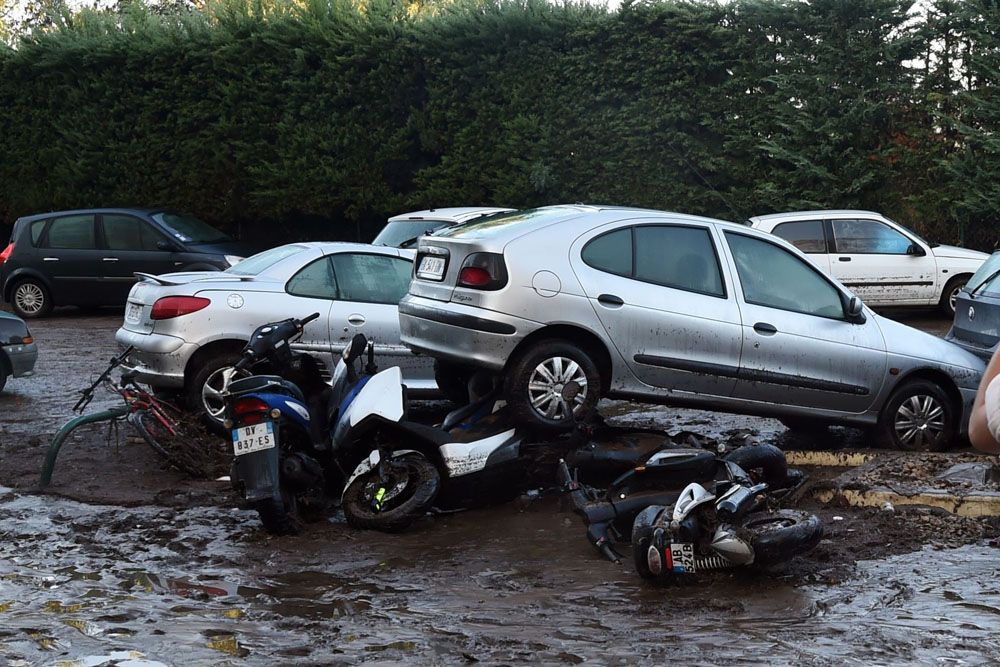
134	312
680	557
431	267
253	438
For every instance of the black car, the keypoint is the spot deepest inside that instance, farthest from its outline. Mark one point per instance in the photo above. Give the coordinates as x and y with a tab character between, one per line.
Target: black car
88	257
18	352
977	311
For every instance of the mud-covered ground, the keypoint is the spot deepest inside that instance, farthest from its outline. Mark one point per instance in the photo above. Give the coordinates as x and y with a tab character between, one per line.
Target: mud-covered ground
125	562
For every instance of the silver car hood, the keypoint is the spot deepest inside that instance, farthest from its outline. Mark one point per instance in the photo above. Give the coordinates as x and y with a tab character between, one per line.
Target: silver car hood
909	342
954	252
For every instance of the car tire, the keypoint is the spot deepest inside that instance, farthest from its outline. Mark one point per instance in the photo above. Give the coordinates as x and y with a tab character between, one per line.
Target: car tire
950	293
31	299
3	376
530	379
203	396
919	416
453	381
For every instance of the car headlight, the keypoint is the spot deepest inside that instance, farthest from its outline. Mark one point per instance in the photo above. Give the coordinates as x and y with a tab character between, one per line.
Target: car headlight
233	260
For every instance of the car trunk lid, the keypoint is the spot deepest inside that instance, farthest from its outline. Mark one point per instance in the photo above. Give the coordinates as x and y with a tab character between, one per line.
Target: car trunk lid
151	288
977	319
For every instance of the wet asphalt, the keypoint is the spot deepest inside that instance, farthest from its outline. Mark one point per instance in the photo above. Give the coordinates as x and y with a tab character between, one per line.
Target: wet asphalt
200	584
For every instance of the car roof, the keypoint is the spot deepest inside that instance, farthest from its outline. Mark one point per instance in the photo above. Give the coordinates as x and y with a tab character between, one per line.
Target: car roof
829	213
454	214
83	211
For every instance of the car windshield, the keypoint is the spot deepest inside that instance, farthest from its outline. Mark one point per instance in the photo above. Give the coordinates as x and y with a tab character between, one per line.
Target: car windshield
186	229
492	225
262	261
929	244
987	279
399	232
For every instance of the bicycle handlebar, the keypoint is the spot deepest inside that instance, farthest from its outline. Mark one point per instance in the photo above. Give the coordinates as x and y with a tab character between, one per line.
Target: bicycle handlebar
88	393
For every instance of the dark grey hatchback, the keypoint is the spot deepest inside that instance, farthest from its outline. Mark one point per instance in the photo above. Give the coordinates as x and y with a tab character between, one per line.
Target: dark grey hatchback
88	257
977	311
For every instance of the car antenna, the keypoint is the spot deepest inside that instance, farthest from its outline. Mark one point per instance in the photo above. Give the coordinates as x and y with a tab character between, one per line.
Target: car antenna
740	217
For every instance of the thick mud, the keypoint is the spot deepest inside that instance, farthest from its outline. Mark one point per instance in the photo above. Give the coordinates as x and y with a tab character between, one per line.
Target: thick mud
126	562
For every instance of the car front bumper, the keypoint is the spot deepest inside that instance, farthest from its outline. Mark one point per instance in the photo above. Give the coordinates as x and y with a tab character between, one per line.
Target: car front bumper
158	360
460	334
22	359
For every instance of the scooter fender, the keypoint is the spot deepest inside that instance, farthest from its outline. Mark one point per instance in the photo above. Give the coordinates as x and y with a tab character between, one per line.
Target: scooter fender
370	464
290	407
258	475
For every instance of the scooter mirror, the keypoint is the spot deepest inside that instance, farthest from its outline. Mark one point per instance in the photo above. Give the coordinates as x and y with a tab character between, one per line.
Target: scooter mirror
356	348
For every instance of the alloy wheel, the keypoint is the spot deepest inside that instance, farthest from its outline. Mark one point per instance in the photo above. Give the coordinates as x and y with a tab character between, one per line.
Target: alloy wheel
29	298
213	400
953	297
919	421
554	384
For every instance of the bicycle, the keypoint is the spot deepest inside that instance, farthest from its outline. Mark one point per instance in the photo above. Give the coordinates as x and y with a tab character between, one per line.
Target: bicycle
173	435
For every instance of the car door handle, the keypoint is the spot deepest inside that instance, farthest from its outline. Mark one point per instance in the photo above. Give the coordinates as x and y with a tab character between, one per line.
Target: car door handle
610	300
109	259
356	319
765	328
843	259
50	259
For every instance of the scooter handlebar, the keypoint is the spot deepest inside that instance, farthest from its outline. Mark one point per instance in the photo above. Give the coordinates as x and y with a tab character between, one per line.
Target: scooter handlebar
307	319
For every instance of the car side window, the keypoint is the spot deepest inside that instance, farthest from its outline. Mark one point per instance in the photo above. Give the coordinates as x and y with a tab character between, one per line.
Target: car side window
806	235
677	256
315	280
371	278
73	232
870	237
611	252
37	227
124	232
773	277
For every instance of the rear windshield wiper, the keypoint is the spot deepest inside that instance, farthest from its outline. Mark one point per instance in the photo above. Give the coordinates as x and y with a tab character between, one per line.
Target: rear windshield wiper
980	286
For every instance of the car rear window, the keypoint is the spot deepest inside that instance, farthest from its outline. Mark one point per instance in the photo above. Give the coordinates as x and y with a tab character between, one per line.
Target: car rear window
987	279
262	261
402	233
495	225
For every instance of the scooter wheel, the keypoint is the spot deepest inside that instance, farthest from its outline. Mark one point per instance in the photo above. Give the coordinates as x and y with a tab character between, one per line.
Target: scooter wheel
779	536
280	517
413	484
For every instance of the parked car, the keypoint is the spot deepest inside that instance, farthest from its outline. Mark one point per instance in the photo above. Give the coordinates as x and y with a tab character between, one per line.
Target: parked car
403	230
977	315
89	257
18	351
574	303
881	261
188	328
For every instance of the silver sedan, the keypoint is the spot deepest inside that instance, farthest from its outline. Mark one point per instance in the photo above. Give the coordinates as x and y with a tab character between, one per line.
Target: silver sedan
188	328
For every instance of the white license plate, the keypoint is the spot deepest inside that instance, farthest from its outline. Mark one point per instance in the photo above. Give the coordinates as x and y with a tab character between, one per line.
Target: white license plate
680	557
134	313
431	267
253	438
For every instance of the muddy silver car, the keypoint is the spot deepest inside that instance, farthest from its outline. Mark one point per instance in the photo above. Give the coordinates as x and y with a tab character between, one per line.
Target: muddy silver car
572	303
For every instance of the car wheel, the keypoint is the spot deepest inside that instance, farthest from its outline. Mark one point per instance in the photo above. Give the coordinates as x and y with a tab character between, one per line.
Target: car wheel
31	299
453	381
547	378
204	392
919	416
949	296
3	377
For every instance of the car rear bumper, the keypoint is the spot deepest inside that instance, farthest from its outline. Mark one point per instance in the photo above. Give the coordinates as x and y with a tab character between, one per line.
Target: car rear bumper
461	334
158	360
22	359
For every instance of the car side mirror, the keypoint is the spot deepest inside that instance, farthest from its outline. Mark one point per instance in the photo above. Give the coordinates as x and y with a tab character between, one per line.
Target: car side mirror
855	310
167	246
915	250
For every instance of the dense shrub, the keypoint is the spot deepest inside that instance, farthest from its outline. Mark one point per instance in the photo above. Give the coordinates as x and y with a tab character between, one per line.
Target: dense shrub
322	117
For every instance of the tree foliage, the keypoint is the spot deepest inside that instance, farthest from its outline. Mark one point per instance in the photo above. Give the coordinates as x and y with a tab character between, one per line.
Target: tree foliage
324	116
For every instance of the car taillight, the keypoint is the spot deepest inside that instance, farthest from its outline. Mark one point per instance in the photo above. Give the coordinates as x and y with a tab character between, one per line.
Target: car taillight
483	271
5	255
175	306
250	410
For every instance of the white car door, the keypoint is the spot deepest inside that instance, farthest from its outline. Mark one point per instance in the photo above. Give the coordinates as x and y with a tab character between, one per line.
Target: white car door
881	264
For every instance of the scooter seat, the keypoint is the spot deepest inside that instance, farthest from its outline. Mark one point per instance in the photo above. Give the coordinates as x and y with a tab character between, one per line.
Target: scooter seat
265	384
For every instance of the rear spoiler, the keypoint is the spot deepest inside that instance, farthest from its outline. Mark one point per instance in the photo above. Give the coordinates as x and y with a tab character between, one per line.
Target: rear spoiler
165	280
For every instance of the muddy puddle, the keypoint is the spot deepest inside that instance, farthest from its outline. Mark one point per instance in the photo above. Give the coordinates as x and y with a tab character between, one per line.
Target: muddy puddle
91	585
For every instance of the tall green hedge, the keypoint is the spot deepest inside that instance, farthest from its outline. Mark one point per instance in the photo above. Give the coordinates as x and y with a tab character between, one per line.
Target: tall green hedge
287	119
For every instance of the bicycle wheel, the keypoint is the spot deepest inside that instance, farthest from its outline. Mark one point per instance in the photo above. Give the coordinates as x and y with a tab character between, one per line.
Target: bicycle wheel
180	440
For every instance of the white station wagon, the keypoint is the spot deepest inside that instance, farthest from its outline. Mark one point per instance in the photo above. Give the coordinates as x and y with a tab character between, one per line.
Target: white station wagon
881	261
